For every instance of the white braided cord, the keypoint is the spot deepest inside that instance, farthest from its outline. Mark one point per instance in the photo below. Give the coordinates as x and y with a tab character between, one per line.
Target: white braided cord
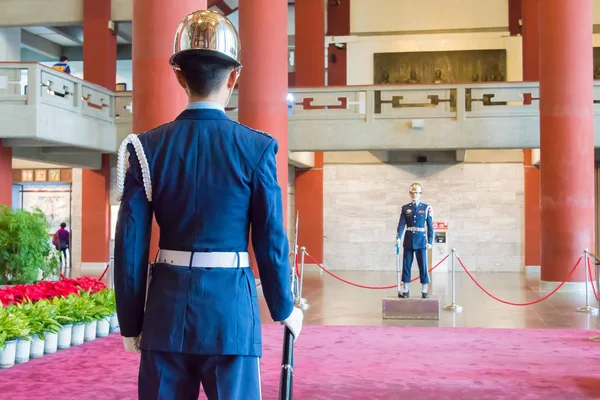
122	160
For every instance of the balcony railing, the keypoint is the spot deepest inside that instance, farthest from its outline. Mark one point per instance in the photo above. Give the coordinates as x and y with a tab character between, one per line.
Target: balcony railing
368	103
33	84
442	116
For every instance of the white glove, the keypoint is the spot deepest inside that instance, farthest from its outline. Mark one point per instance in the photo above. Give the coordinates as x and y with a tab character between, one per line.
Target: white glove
294	322
428	246
132	344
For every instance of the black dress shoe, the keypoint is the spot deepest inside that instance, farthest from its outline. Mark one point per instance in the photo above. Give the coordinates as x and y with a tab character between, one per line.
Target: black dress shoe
403	295
425	295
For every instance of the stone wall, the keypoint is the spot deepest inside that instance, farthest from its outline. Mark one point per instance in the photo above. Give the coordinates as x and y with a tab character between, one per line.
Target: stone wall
482	203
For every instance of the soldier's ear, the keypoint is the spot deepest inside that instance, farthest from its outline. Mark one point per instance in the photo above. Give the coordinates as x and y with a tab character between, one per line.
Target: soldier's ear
180	78
233	77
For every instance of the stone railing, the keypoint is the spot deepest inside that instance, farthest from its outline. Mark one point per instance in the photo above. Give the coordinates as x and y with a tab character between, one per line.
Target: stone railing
32	84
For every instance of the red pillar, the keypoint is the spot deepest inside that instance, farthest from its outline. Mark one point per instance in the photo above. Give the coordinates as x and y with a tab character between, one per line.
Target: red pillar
515	8
567	136
5	175
338	24
157	97
533	241
99	67
310	72
263	83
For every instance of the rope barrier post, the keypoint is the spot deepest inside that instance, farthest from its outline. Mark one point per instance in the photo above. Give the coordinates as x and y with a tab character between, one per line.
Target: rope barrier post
597	337
112	273
293	266
301	303
453	306
398	270
587	308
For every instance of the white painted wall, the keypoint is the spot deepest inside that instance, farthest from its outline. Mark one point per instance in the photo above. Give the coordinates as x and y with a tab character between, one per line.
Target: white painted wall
411	15
10	44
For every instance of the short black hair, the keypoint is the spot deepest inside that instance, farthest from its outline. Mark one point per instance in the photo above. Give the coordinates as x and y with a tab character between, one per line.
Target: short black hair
203	73
63	225
63	59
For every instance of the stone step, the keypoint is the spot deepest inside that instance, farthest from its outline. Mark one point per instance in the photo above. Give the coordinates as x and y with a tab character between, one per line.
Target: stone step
415	309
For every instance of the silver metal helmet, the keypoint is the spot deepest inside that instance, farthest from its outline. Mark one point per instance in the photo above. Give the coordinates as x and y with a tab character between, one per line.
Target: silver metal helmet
210	32
415	188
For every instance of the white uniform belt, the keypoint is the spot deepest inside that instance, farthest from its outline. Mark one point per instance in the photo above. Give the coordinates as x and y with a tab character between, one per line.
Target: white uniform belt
204	260
415	229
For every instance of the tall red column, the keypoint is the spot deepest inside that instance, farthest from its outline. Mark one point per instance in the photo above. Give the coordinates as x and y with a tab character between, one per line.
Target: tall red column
567	136
99	67
263	84
310	72
5	175
531	66
515	13
338	24
157	97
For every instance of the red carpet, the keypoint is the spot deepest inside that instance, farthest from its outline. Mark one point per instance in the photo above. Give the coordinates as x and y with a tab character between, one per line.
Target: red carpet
336	362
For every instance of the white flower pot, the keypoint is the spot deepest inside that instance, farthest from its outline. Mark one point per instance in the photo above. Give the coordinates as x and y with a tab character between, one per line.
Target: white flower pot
50	342
77	334
90	331
23	350
114	323
8	354
37	347
103	327
64	337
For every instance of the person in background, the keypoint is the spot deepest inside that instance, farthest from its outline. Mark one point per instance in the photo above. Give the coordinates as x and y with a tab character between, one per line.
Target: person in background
63	65
61	242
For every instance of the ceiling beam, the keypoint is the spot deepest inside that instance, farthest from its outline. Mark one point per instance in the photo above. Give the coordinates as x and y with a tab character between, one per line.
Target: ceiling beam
124	32
40	45
73	33
76	53
75	159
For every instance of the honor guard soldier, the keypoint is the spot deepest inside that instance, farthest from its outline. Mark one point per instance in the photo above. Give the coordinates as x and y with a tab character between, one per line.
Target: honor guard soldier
417	238
207	180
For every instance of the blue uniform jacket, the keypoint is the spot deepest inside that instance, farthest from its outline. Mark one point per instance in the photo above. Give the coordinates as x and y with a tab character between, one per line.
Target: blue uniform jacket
212	178
416	215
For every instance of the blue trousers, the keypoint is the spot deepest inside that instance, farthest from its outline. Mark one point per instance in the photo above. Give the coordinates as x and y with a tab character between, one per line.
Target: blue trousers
407	261
176	376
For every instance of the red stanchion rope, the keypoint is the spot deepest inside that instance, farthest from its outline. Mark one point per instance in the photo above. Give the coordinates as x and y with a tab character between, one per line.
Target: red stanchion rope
365	286
519	304
104	273
592	279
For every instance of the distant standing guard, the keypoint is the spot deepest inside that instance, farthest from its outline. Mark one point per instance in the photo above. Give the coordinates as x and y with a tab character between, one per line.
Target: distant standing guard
417	239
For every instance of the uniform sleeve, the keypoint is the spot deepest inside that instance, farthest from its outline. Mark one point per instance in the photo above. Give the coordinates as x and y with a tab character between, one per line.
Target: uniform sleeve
269	238
132	245
401	224
429	213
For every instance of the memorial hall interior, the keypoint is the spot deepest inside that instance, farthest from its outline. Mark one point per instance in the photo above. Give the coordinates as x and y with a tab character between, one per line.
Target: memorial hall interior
491	106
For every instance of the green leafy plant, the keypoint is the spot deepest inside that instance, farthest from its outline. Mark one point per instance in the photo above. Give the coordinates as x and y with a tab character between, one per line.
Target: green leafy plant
25	247
13	325
105	300
43	317
82	308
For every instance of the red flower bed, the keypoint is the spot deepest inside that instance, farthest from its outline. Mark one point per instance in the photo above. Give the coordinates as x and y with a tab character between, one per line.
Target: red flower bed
49	290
